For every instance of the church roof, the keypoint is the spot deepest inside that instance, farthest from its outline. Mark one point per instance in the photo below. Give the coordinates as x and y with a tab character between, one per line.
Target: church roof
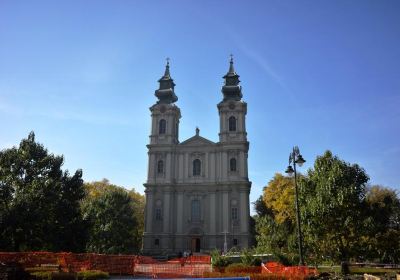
231	89
197	140
166	93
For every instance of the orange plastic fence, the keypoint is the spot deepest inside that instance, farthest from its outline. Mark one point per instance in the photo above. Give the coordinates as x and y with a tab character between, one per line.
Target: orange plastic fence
113	264
290	271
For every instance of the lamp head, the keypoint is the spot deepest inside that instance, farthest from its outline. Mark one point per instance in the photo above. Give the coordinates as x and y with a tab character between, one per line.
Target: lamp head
300	160
289	170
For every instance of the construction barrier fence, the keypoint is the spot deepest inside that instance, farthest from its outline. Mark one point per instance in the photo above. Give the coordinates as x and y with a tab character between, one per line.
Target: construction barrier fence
288	271
193	266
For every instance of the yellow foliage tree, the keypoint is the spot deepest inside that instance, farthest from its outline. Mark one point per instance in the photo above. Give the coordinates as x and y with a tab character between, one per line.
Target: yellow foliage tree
278	195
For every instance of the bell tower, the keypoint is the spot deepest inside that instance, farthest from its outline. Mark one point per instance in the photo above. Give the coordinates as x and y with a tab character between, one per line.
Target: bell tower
164	134
232	110
165	114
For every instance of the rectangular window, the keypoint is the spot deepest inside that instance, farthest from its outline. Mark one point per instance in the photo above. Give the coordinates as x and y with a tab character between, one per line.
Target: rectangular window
234	213
195	210
158	214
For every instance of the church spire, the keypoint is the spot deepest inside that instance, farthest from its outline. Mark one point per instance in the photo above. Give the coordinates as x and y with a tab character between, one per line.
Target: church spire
167	75
231	68
166	93
232	90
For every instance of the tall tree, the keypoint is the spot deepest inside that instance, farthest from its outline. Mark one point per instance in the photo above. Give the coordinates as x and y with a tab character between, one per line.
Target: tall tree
382	225
39	207
278	196
332	206
115	217
275	226
260	208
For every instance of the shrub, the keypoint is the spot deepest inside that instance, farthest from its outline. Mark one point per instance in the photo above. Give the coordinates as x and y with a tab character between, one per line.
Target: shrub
218	260
41	275
63	276
92	275
49	275
249	259
253	276
283	259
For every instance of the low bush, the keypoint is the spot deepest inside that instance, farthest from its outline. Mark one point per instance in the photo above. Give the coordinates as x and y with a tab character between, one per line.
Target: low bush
218	261
82	275
92	275
63	276
247	257
41	275
253	276
242	268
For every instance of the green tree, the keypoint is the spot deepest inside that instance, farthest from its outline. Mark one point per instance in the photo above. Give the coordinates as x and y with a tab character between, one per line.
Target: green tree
138	205
260	208
382	225
332	207
39	207
115	218
275	227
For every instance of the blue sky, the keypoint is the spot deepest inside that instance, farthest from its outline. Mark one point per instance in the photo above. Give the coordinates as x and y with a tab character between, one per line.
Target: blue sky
317	74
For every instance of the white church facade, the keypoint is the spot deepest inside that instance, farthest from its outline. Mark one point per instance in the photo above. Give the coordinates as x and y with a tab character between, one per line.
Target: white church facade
197	191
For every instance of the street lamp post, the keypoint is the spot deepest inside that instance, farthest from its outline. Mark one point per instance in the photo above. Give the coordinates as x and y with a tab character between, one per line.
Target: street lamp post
296	158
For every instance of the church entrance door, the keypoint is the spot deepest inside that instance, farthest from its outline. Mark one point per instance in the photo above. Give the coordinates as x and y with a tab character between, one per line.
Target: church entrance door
195	244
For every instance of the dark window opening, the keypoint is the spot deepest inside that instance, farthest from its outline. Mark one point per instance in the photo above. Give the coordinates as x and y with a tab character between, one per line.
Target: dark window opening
196	167
232	164
235	242
160	167
195	210
157	242
232	123
234	213
158	214
162	127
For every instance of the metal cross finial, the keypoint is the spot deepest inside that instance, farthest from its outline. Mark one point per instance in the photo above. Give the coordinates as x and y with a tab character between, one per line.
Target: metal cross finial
167	59
231	55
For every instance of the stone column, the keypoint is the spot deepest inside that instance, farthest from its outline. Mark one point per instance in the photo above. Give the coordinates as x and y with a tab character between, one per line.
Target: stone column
151	174
186	165
212	166
168	167
206	166
149	210
244	211
166	211
181	166
225	211
179	213
224	165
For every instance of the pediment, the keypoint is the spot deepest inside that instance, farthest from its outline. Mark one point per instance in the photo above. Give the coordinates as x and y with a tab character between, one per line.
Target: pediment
197	141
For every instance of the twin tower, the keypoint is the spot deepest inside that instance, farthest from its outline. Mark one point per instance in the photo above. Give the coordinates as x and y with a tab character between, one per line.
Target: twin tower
197	191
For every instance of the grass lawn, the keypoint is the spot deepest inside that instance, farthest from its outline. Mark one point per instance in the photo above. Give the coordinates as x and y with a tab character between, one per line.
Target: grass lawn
359	270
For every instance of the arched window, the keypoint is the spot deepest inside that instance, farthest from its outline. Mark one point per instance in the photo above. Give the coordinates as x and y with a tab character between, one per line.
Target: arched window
196	167
232	123
160	167
232	164
195	210
162	126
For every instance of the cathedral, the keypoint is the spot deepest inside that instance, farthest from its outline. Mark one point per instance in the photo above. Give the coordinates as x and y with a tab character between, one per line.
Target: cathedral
197	191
